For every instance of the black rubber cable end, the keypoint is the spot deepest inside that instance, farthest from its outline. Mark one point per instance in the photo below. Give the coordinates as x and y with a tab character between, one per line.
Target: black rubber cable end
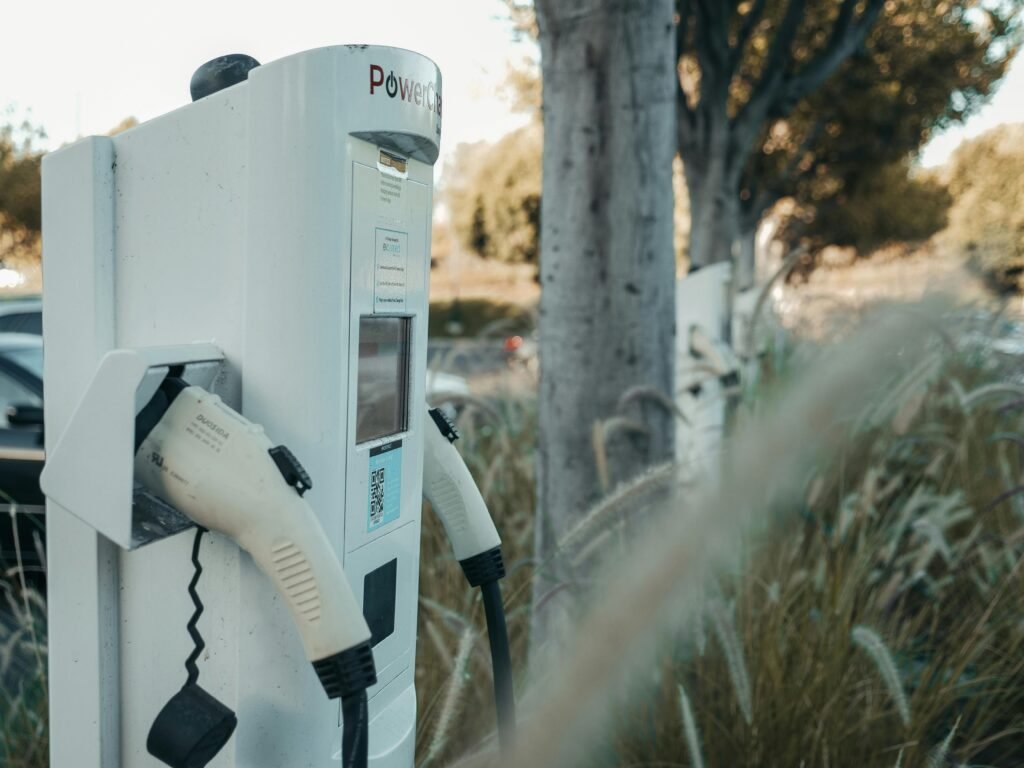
191	729
347	673
483	568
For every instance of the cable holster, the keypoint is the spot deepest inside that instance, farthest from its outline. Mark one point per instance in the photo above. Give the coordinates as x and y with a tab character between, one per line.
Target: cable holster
347	673
485	567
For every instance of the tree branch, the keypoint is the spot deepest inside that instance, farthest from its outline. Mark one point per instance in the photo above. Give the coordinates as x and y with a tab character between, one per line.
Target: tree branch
847	37
714	33
782	45
773	75
682	28
750	22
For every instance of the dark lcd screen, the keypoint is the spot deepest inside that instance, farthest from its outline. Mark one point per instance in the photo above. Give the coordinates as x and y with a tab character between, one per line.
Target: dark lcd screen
383	379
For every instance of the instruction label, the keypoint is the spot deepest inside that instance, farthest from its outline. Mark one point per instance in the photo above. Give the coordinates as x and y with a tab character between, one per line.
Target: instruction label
385	496
391	260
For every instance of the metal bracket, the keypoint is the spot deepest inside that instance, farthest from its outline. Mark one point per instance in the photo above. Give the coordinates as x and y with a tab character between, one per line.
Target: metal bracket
90	472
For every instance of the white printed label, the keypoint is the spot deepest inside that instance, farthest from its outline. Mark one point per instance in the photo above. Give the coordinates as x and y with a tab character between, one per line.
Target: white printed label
390	266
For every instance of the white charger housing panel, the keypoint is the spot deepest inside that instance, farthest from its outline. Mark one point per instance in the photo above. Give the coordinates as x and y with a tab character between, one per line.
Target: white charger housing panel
286	220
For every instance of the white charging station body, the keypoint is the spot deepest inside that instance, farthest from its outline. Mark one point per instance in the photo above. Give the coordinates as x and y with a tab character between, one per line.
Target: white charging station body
279	229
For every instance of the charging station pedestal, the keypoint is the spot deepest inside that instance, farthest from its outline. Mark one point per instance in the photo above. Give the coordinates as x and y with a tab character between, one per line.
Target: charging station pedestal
273	239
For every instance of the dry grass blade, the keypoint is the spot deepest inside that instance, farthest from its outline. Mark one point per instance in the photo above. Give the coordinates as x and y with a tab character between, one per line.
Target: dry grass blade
975	398
690	730
786	267
453	697
645	593
872	644
601	434
937	758
725	630
640	394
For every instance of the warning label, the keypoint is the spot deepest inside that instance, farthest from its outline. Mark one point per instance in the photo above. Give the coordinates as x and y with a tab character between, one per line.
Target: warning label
390	265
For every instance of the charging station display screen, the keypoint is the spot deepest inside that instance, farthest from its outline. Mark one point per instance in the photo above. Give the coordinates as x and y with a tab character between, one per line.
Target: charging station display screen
383	378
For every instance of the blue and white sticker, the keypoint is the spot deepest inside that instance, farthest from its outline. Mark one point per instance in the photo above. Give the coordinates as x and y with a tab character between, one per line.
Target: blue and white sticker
385	497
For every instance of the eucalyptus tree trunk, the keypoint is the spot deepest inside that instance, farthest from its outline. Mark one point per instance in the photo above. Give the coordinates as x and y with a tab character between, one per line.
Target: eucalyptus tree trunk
607	267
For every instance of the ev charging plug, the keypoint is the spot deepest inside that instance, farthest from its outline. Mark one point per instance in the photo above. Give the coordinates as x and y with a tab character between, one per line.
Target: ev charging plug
452	492
221	470
716	354
455	497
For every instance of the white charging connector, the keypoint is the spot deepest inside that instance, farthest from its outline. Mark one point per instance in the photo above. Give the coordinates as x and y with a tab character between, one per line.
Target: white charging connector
455	497
220	469
216	466
452	492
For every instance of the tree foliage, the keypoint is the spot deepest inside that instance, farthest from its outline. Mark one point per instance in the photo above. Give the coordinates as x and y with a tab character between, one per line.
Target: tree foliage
796	97
494	196
893	203
21	186
841	152
925	67
986	179
20	202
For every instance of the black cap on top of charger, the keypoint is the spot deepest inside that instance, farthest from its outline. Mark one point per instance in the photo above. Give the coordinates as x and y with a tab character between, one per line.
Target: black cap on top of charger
220	73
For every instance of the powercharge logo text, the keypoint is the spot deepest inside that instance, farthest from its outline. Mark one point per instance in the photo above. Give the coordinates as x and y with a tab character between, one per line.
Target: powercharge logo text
421	94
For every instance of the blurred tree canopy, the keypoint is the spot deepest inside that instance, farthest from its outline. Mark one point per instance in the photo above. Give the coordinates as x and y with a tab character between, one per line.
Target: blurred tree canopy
20	203
842	152
986	179
808	97
846	117
493	194
21	186
891	203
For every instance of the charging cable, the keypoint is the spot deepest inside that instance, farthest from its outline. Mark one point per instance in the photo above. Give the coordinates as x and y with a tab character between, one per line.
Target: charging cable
452	492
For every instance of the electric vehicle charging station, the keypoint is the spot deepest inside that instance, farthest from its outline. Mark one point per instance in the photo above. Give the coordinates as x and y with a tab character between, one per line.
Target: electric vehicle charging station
705	368
268	243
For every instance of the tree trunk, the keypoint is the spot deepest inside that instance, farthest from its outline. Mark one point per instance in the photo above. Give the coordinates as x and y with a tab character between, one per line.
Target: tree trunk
715	215
745	272
607	268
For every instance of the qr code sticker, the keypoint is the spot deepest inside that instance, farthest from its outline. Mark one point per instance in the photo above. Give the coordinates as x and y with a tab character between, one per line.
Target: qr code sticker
376	497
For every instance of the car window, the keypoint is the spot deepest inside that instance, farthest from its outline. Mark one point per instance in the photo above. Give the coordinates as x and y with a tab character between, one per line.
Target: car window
22	322
13	392
29	358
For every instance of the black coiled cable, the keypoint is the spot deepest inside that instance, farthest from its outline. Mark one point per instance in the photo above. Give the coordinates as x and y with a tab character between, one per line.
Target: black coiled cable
197	639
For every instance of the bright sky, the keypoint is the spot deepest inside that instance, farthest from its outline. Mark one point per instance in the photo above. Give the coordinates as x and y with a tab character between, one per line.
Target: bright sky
81	67
1006	107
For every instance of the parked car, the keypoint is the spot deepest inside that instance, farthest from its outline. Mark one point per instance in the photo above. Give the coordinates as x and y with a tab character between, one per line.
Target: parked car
21	448
22	316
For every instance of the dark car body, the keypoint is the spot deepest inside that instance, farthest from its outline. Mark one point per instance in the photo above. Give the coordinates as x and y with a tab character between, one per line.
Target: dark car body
24	315
21	450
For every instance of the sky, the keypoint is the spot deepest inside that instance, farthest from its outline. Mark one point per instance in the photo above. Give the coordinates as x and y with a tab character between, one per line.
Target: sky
79	68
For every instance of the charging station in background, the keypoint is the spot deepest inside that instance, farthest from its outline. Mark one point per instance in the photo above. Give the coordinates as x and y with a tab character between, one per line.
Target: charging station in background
269	242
